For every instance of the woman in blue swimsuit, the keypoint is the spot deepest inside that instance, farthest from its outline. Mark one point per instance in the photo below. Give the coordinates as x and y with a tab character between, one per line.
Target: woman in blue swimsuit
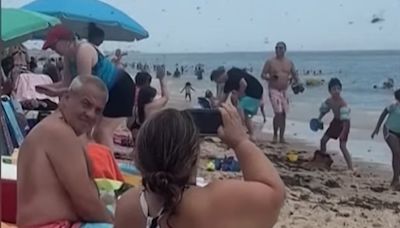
82	58
391	132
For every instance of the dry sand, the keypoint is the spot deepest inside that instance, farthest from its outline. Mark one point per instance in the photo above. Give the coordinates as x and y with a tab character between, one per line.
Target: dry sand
322	198
318	198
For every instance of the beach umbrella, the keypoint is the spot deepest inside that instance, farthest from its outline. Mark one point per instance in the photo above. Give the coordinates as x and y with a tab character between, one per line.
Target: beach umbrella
77	14
18	25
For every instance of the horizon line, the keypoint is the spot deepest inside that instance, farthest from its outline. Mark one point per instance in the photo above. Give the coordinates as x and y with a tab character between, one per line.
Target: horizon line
290	51
241	51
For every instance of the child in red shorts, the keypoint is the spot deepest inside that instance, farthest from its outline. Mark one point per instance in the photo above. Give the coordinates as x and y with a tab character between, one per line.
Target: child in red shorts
339	128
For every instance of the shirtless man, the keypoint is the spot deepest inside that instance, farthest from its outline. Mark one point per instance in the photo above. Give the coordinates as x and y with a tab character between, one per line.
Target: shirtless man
279	72
54	184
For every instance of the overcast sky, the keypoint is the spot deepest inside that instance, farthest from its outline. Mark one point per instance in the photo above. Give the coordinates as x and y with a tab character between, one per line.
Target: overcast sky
256	25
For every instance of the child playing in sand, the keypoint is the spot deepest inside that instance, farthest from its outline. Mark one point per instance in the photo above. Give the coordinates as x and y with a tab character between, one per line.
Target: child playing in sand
339	128
188	89
391	133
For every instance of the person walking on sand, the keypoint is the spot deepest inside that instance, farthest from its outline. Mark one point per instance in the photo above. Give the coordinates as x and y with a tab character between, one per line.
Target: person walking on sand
188	91
391	133
167	154
339	128
83	58
279	72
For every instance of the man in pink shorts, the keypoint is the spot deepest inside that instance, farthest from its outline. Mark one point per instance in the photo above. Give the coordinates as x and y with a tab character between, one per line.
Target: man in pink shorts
279	72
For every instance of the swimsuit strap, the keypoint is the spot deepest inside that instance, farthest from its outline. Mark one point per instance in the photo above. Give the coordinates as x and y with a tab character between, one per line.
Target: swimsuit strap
151	222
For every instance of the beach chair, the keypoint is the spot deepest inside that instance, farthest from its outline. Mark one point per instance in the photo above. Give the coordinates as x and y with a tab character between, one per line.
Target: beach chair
6	144
17	135
204	103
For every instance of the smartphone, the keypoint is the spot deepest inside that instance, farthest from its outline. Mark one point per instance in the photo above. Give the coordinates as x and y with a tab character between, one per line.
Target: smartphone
207	120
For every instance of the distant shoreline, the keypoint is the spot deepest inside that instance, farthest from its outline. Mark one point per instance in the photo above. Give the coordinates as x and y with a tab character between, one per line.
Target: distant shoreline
107	50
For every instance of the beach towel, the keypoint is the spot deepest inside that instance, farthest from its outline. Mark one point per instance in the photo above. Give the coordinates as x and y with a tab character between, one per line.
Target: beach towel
25	87
103	162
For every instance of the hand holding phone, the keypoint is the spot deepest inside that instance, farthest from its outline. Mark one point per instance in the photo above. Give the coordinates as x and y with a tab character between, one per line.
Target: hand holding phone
232	131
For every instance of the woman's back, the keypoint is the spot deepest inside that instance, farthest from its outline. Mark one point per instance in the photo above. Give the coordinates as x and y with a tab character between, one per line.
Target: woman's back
167	152
200	208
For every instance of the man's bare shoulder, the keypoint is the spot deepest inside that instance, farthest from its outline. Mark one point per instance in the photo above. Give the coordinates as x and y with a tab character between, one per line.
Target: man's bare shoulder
52	127
271	60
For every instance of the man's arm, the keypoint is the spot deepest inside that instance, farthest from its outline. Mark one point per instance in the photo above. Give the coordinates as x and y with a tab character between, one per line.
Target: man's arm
69	162
85	60
294	73
242	87
265	72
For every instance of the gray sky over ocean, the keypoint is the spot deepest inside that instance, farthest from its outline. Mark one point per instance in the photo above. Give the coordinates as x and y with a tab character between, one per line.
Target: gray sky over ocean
256	25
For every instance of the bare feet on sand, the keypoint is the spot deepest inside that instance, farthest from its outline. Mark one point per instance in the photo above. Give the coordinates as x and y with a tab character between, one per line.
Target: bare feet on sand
274	140
283	141
395	185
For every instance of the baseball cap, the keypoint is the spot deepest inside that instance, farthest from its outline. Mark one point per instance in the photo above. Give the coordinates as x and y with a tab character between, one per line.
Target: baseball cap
55	34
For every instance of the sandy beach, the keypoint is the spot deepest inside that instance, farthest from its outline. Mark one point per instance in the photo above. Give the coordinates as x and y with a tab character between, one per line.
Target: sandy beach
315	197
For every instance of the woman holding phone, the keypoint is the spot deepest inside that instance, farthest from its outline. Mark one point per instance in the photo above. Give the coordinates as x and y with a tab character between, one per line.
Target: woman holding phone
167	152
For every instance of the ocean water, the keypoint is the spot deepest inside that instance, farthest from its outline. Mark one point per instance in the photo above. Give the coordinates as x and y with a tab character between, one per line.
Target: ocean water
359	71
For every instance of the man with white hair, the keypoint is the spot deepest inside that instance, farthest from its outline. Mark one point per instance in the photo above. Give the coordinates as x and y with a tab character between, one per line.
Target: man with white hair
55	188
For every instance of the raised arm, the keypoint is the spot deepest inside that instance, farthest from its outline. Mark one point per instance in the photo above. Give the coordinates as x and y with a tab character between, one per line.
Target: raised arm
69	160
158	103
260	196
